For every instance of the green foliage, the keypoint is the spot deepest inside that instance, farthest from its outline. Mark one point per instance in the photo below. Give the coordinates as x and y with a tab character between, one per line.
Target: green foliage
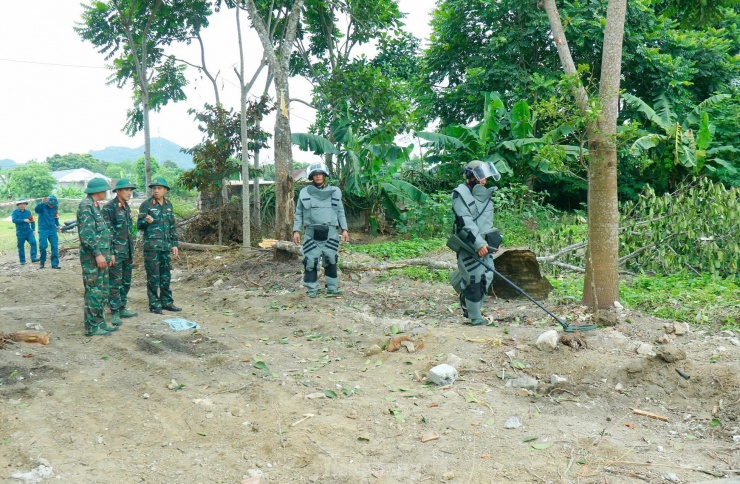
139	177
423	274
692	298
70	192
31	180
431	218
401	249
691	230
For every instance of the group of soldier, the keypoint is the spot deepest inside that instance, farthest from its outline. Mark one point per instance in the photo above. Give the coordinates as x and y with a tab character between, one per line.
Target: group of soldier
107	244
107	251
49	226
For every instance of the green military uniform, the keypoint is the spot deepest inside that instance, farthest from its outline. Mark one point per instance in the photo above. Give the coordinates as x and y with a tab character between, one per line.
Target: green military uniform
320	210
472	205
160	237
95	240
118	216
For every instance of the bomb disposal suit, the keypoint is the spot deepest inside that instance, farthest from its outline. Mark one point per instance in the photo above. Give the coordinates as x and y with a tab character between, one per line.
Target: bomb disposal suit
320	211
473	209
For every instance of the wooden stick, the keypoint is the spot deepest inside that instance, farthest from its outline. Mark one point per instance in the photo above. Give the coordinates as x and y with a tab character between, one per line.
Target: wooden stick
203	247
648	414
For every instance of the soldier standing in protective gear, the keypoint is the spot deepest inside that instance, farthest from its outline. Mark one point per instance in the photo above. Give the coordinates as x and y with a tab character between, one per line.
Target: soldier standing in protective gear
320	210
157	222
95	257
25	227
49	226
473	209
118	215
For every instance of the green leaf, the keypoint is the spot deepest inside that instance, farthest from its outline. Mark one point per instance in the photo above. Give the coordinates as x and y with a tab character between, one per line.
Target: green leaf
542	446
390	399
518	364
715	423
394	329
260	365
105	358
530	438
330	394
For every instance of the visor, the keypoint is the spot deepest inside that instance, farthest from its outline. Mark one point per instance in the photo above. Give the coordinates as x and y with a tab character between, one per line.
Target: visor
486	170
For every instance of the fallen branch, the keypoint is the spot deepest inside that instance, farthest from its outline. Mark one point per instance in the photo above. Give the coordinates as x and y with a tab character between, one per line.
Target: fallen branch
203	247
649	414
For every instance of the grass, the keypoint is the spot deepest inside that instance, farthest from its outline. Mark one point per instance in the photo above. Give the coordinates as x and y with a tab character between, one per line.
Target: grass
7	233
696	299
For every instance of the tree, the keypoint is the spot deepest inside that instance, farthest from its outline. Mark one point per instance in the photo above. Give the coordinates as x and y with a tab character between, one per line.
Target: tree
31	180
478	47
134	34
139	170
276	24
70	161
601	284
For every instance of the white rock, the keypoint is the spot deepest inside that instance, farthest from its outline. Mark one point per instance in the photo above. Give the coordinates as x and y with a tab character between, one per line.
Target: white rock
547	341
619	387
314	396
145	396
254	473
34	476
645	349
721	349
443	375
555	379
526	382
618	305
511	353
218	283
680	328
735	341
512	423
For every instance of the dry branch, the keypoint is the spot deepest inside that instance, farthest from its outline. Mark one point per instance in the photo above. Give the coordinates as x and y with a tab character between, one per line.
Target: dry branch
203	247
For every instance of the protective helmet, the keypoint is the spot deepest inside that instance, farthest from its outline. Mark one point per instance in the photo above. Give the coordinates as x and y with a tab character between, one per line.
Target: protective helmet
52	201
21	201
97	185
480	170
314	168
123	183
159	182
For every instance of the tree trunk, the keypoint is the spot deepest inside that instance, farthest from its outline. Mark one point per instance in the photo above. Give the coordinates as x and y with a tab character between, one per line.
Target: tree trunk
257	202
147	142
601	284
244	89
283	161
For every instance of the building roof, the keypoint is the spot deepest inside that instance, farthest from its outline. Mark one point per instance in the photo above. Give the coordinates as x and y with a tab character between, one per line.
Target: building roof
78	175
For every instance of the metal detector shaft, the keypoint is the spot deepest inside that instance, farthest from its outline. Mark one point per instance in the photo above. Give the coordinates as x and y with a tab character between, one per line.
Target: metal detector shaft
566	327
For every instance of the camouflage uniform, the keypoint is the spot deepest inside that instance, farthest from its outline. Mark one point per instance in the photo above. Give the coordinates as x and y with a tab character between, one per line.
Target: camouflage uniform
118	216
95	240
321	211
160	237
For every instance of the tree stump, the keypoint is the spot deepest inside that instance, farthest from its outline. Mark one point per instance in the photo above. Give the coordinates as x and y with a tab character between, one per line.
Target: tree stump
520	266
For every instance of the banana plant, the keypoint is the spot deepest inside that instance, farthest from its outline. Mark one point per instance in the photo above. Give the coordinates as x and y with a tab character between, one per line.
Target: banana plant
688	142
369	167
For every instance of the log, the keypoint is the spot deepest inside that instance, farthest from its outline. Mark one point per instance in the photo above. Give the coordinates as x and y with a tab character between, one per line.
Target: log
203	247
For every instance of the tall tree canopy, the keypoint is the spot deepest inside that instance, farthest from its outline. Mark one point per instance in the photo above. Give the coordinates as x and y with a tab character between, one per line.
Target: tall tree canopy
134	34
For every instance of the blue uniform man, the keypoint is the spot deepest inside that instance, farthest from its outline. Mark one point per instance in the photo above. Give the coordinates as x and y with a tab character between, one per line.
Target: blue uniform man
49	226
25	226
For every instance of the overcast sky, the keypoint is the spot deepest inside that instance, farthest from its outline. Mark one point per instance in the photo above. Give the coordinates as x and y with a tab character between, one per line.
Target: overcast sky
53	92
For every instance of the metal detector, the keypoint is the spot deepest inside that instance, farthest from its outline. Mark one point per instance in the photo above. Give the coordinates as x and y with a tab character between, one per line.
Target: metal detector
456	244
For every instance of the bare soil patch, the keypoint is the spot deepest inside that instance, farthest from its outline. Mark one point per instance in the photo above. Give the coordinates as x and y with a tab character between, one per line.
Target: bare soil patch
299	390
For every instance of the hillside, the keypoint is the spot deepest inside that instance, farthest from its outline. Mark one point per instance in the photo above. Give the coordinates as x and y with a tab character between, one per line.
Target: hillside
162	150
5	164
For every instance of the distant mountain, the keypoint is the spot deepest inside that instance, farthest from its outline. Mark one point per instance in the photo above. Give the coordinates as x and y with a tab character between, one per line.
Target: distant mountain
162	150
5	164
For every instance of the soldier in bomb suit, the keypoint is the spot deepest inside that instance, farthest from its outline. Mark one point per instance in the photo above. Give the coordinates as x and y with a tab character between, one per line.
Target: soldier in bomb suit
95	257
118	215
320	211
157	223
473	209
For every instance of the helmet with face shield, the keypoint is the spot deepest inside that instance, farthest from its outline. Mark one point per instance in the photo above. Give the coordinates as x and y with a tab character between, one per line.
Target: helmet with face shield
480	170
314	168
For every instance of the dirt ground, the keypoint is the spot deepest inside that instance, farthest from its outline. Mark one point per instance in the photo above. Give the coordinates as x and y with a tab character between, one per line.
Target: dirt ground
275	387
